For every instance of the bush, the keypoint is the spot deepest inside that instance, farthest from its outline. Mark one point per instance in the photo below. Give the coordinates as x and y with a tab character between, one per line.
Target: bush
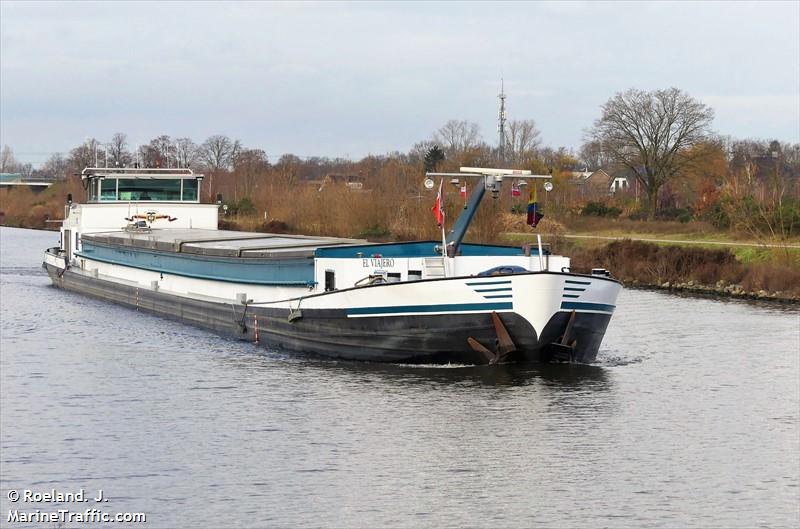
598	209
638	214
375	231
718	216
274	226
243	206
747	214
682	215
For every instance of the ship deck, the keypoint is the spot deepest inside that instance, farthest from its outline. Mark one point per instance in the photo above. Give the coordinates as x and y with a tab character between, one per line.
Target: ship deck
220	243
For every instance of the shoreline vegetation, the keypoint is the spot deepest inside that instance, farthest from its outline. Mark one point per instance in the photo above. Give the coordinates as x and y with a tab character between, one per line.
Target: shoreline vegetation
753	272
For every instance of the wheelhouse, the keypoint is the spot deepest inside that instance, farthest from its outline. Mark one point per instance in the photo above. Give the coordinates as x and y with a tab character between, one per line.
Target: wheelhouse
141	185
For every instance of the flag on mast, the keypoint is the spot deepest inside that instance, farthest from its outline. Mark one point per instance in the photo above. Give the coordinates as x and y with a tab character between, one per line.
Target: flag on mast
534	213
438	206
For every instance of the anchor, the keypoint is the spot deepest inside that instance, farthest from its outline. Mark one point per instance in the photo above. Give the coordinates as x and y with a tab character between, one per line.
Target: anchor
565	349
504	345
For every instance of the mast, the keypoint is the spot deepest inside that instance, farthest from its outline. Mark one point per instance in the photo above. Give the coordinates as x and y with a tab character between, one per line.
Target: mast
491	180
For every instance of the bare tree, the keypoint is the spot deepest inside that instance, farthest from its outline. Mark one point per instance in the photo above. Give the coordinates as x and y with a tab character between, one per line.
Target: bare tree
8	163
592	156
149	156
56	167
236	150
250	167
458	136
186	152
26	169
288	168
651	132
164	149
84	155
289	159
118	154
560	159
217	152
522	140
250	159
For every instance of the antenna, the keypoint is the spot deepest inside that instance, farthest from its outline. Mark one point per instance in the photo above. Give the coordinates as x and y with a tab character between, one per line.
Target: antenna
501	125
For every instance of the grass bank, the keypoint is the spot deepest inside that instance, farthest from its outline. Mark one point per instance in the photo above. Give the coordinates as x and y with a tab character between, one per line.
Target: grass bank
772	275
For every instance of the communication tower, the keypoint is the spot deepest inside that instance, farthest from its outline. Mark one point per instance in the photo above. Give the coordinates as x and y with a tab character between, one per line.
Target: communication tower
501	123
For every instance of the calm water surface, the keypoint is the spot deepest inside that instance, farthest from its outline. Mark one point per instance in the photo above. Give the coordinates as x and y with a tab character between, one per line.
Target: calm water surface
690	419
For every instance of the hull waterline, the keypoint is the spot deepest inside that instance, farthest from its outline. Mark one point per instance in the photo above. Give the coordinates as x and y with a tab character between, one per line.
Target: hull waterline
426	338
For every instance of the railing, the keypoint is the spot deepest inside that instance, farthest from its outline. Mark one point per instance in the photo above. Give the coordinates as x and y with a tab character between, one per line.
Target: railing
138	172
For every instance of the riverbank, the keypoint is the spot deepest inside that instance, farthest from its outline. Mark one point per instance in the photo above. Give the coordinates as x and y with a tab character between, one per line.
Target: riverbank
717	272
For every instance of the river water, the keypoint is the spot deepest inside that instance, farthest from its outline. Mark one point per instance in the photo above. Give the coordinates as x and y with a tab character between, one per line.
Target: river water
689	419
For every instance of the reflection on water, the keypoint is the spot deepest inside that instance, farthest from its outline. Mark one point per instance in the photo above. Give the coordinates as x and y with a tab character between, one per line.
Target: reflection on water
564	375
684	421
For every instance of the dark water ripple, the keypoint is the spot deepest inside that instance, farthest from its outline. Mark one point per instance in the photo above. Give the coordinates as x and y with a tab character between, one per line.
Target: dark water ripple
689	419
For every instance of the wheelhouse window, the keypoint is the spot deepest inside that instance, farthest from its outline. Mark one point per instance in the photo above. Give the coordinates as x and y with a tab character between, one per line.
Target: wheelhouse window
190	190
108	189
149	189
92	189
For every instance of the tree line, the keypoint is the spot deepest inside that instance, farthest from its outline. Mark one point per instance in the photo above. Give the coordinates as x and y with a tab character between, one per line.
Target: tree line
661	140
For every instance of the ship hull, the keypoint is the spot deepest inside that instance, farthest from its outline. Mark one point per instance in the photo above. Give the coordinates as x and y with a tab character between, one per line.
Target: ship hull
368	332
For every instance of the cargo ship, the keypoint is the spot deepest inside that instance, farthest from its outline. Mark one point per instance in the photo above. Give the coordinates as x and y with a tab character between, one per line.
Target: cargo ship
143	239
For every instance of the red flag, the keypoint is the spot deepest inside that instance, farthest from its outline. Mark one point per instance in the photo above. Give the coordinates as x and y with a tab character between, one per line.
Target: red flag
438	206
464	190
515	190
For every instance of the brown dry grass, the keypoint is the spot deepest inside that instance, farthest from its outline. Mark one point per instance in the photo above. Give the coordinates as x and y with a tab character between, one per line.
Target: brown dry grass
24	208
647	263
772	278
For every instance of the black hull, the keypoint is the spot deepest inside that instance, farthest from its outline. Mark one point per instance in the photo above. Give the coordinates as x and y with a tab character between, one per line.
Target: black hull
330	333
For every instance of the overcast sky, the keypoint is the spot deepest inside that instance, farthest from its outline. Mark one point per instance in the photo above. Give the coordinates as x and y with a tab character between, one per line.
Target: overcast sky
349	79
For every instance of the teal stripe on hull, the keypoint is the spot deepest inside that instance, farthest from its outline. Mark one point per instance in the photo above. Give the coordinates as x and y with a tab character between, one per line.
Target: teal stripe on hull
422	309
413	249
581	305
283	272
